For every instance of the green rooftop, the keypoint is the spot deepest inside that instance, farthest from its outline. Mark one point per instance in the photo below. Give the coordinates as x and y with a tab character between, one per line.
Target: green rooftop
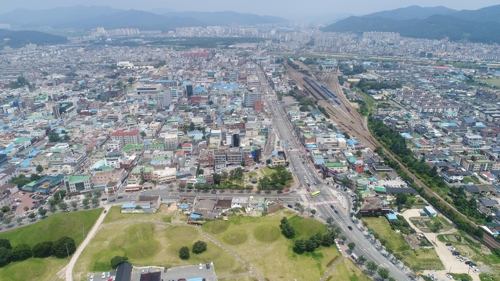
335	164
79	178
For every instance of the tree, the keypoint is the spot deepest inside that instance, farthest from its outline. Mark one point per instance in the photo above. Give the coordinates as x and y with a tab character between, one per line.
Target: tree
5	209
383	272
343	238
85	202
4	256
191	126
42	211
351	246
63	247
42	249
371	266
20	252
52	209
74	204
361	259
143	134
313	212
39	169
62	206
199	247
19	220
5	243
401	198
182	185
26	208
54	137
184	253
300	245
7	221
117	260
391	279
359	153
31	215
95	201
286	228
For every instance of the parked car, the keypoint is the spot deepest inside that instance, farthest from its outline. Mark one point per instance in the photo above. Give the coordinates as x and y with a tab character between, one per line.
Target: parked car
350	227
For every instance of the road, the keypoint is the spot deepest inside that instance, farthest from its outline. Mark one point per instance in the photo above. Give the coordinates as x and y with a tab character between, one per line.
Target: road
307	175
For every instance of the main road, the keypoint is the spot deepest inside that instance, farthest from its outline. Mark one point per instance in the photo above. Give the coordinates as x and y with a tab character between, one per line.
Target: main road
308	176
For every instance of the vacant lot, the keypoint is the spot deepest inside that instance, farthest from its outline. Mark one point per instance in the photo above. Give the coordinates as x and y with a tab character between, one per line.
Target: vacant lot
150	243
163	214
418	259
51	228
347	270
260	243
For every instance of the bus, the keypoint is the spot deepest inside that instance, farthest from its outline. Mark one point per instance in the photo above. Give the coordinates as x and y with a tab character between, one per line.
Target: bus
315	193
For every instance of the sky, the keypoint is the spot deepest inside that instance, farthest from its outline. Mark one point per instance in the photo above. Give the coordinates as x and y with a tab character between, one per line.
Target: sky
285	8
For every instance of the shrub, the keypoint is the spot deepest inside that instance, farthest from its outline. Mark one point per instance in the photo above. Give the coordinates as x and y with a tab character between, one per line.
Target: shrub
184	253
199	247
117	260
20	252
63	247
43	249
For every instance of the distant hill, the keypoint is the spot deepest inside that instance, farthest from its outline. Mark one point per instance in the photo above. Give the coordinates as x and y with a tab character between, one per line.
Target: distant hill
433	27
228	18
487	14
22	38
82	17
412	12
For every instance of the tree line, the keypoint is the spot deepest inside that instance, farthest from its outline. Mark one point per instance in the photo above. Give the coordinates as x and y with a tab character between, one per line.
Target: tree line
61	248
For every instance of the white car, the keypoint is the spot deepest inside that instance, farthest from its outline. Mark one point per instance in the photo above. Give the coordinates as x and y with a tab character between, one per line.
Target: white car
91	278
103	275
201	266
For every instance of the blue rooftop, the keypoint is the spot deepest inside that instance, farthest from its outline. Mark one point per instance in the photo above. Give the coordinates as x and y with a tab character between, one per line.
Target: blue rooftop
391	217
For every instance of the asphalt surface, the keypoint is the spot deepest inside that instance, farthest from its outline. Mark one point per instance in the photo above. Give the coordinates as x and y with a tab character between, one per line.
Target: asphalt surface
306	175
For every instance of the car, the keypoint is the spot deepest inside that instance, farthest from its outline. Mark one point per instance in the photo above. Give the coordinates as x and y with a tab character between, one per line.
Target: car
448	244
336	212
456	253
119	197
290	206
331	206
112	200
201	266
463	259
468	262
91	278
207	265
449	276
105	211
103	275
350	227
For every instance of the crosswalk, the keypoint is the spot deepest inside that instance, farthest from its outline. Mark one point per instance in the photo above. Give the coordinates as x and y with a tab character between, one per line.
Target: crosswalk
326	202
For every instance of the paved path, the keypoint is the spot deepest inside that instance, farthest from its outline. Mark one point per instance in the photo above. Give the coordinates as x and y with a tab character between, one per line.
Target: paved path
331	268
247	266
228	276
68	270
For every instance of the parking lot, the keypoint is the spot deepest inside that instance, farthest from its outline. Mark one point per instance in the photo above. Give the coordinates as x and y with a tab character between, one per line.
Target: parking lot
176	273
26	201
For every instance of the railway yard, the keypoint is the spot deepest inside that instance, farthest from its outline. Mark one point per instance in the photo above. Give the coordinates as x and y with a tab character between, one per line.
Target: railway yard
326	90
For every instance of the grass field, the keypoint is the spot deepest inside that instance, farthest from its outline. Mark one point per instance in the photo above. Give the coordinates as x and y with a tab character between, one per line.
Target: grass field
347	270
267	250
461	276
51	228
54	227
417	259
267	171
150	244
492	82
32	269
489	277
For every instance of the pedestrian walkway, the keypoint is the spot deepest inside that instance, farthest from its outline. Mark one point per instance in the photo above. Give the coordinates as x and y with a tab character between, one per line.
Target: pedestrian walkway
228	276
331	268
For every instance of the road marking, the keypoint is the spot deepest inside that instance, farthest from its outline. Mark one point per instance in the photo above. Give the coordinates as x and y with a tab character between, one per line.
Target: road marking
325	203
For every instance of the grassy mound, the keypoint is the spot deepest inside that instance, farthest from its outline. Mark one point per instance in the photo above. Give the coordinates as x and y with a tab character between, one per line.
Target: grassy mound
235	237
266	233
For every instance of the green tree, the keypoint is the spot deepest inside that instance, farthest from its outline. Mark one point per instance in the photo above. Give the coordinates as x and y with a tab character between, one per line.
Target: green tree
313	212
191	126
20	252
19	220
143	134
401	198
74	204
199	247
286	228
300	245
117	260
95	201
62	206
359	153
383	272
5	209
5	243
182	185
7	221
52	209
26	208
4	256
361	259
42	211
31	215
184	253
39	169
63	247
54	137
371	266
42	249
85	202
351	246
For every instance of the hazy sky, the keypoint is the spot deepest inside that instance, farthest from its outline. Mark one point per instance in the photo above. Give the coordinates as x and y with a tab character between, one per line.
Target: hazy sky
284	8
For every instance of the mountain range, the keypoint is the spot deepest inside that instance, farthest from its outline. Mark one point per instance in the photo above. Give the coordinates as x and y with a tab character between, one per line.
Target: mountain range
85	18
482	25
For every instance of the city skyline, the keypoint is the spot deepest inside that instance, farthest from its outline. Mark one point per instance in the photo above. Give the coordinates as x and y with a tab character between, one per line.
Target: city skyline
286	9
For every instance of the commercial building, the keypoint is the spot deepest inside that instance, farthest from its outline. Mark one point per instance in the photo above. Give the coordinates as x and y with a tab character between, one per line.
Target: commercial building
78	183
126	137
